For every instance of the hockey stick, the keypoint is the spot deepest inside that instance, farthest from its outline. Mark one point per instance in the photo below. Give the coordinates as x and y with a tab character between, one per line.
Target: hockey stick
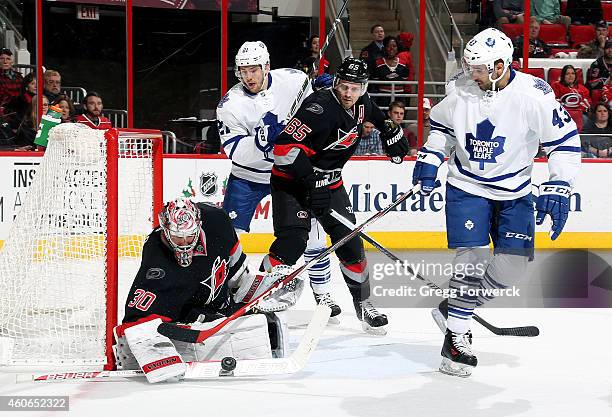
217	369
525	331
330	35
183	334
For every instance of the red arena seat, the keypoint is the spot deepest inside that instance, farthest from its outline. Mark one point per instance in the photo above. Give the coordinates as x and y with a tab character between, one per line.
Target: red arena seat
536	72
554	35
581	34
512	30
607	11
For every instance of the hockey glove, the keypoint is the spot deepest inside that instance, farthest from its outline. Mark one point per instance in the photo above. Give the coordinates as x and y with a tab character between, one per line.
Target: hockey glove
554	201
273	131
252	286
394	142
322	81
318	195
426	171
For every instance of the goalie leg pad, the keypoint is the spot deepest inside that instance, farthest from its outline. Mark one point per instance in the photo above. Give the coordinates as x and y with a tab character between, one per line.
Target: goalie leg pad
156	354
246	337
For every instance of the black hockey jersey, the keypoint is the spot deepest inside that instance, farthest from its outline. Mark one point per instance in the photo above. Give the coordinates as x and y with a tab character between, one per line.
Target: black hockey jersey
162	288
322	136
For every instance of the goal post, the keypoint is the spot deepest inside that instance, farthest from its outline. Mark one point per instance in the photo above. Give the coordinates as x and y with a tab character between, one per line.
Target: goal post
75	241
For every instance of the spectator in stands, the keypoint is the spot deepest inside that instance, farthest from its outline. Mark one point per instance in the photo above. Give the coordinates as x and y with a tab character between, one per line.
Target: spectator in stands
598	123
52	86
599	43
15	110
92	117
584	12
572	94
508	11
537	47
393	66
26	132
599	71
374	50
606	94
405	41
412	131
311	56
10	80
549	12
370	143
64	103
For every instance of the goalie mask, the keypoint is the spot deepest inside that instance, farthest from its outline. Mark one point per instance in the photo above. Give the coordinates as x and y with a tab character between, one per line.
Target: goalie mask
483	50
252	54
181	223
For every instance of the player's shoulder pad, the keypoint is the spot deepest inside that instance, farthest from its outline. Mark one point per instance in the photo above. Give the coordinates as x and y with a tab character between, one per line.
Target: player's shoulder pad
534	87
319	101
231	98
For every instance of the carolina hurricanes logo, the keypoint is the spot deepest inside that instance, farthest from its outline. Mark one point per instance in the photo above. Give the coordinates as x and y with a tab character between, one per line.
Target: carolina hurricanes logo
346	139
571	100
217	277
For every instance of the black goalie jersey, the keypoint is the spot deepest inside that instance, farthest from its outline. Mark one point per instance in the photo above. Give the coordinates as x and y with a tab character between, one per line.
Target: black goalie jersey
162	288
322	135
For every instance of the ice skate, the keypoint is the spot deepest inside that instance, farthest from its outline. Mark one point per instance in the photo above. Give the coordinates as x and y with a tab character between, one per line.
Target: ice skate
327	300
457	356
440	315
372	321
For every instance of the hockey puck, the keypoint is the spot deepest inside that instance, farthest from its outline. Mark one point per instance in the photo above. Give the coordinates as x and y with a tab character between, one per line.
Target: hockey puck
228	364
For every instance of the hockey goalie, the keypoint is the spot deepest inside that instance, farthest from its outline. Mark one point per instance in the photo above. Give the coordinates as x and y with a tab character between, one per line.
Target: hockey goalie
194	272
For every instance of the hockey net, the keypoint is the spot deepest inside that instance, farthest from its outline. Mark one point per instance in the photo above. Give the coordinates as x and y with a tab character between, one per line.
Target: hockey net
81	226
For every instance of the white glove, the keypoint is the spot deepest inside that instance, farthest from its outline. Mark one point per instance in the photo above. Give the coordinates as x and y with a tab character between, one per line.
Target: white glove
252	286
155	353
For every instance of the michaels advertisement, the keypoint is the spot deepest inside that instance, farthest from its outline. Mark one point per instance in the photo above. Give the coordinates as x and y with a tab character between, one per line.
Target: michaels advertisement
371	184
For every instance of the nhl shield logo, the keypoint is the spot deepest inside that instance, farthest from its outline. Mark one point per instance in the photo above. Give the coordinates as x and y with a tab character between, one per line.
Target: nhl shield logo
208	183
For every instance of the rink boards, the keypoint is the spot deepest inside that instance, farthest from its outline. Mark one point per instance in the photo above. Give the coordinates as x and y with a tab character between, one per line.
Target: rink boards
371	183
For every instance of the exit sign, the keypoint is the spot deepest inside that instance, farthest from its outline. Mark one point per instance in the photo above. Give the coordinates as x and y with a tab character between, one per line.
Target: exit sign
88	12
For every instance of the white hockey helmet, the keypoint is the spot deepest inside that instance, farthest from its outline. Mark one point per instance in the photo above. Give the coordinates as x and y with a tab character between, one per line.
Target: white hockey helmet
252	53
181	218
485	49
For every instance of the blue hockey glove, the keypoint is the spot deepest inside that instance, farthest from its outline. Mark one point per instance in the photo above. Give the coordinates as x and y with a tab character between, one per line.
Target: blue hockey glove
322	81
426	170
554	201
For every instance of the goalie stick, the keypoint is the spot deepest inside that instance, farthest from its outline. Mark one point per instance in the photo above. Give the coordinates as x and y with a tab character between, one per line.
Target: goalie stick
330	35
525	331
183	334
215	369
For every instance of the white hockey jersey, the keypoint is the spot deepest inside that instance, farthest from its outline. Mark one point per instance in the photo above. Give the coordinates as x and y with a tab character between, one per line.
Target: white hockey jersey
244	118
491	143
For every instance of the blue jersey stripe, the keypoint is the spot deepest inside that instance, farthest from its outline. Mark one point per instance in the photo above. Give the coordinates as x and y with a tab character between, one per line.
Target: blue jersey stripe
261	171
563	139
484	179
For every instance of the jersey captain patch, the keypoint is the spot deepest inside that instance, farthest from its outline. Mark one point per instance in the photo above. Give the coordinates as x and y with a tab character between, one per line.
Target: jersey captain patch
484	147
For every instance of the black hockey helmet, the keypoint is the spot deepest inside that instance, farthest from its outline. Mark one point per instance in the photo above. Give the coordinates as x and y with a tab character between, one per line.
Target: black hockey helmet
353	70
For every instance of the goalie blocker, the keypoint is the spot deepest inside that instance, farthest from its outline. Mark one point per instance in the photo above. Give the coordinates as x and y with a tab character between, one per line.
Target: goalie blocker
193	271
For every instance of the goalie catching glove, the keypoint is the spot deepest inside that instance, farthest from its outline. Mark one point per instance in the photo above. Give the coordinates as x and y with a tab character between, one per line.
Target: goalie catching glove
394	142
252	286
554	201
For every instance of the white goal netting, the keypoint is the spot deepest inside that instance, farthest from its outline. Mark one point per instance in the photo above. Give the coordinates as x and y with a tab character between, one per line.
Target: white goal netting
53	270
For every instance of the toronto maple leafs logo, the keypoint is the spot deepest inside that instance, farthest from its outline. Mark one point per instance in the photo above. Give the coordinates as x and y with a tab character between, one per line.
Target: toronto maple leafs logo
540	84
224	100
490	42
484	147
266	133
